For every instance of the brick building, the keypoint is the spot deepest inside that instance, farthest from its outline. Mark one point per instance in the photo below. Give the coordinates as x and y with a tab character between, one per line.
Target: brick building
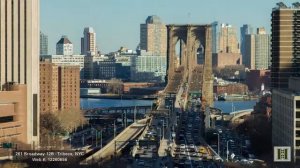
235	88
59	87
221	60
255	78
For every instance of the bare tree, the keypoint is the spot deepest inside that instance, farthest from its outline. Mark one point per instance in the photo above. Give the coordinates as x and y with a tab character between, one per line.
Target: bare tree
71	119
115	86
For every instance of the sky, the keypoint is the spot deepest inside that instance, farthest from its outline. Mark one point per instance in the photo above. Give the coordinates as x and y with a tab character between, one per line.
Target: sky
117	22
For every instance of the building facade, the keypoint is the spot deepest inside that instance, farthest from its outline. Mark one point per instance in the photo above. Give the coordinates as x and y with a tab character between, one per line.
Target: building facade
48	87
59	87
153	36
77	60
286	119
249	57
284	50
43	44
215	27
221	60
257	52
244	30
64	46
255	79
69	88
88	42
228	42
149	68
262	49
19	72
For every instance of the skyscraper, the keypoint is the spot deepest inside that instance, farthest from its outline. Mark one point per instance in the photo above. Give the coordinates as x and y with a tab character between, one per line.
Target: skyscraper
88	42
43	44
262	49
64	46
246	29
215	36
19	72
228	42
285	44
249	55
257	50
153	36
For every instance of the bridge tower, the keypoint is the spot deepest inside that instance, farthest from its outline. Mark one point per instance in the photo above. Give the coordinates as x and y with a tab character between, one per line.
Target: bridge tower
194	41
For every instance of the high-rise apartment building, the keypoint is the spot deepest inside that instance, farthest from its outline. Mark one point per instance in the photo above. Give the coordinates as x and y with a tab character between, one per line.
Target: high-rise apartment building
69	87
43	44
59	87
88	42
215	27
153	36
285	44
262	49
249	55
228	42
19	72
244	30
64	46
48	87
257	50
286	119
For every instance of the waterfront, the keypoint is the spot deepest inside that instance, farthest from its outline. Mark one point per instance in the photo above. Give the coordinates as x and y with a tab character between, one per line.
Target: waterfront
229	106
225	106
90	103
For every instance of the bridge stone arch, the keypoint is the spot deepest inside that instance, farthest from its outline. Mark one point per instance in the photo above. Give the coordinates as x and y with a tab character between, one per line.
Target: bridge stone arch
191	37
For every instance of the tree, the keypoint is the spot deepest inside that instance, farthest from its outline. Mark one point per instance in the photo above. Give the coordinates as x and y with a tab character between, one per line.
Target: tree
71	119
115	86
49	124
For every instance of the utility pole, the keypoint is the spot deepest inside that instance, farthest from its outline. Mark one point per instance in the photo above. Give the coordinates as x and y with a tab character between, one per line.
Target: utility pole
114	128
134	114
96	137
101	139
125	119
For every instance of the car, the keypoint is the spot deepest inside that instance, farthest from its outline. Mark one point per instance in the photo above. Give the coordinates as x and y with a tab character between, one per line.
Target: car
141	163
192	146
182	146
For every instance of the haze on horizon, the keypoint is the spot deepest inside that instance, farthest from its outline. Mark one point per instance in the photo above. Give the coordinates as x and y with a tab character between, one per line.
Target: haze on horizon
117	22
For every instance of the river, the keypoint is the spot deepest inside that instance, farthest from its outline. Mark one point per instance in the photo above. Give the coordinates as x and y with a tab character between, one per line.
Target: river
225	106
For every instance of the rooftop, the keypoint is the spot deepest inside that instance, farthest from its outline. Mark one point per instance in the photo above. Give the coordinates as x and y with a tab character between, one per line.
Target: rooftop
64	40
283	6
153	20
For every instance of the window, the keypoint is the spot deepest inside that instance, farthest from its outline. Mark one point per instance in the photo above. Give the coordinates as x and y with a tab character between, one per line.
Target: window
6	119
298	104
297	114
298	124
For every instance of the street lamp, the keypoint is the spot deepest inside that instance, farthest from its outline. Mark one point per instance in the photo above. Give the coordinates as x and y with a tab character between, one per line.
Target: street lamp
227	152
159	133
218	142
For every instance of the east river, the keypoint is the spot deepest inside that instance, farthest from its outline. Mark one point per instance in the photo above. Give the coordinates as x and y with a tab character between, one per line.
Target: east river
226	106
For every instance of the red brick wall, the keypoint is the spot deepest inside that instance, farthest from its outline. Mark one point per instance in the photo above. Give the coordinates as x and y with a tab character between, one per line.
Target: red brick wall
231	89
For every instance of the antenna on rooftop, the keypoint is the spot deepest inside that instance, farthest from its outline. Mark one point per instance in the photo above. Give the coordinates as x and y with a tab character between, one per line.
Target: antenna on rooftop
281	5
296	5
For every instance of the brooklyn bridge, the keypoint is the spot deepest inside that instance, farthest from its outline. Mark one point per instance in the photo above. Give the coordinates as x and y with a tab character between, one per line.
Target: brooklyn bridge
189	74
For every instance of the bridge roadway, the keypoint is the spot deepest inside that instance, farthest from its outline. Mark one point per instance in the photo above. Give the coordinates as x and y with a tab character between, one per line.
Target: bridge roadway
130	133
128	109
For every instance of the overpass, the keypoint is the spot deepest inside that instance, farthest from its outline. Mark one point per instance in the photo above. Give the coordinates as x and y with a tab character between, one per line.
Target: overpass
237	115
118	143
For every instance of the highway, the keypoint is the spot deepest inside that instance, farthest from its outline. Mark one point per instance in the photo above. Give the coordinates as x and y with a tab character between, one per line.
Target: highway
120	141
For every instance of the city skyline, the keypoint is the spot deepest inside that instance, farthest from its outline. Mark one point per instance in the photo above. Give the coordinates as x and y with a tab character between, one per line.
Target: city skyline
117	22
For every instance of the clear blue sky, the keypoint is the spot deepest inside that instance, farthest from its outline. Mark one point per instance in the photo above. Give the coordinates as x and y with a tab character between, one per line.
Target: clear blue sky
117	22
